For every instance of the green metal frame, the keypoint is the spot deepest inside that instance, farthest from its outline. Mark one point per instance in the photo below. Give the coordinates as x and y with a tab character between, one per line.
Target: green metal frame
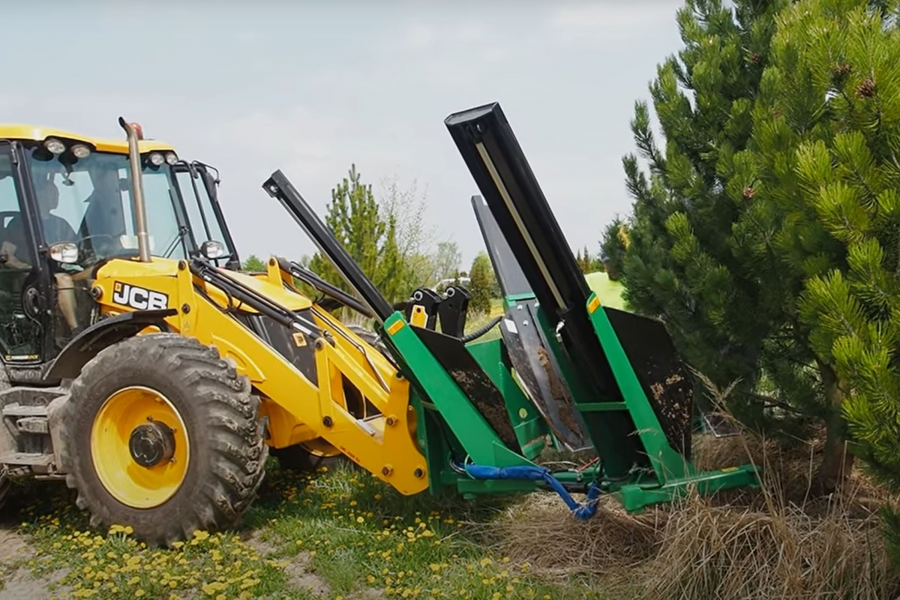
449	424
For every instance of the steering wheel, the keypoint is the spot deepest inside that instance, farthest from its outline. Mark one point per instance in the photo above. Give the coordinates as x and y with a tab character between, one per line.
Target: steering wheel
90	257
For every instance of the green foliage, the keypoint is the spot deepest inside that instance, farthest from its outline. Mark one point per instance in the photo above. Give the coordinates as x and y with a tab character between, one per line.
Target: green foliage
387	236
766	231
253	263
482	284
614	247
695	251
368	234
848	176
587	263
417	257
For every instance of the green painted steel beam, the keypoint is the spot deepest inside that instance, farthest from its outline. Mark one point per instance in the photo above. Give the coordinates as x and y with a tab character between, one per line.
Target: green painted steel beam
529	426
468	425
666	461
603	406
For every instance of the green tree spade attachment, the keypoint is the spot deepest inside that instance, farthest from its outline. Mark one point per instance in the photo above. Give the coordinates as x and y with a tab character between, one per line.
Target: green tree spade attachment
604	379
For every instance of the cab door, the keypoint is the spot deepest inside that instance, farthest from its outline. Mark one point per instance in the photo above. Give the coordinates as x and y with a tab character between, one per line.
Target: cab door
22	299
198	191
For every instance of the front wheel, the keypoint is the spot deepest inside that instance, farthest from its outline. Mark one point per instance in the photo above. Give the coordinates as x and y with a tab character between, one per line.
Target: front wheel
163	435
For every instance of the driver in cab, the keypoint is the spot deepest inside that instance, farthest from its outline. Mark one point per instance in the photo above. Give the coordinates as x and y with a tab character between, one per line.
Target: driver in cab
56	230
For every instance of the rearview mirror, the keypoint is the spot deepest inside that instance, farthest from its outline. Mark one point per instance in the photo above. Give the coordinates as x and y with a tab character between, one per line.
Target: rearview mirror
64	252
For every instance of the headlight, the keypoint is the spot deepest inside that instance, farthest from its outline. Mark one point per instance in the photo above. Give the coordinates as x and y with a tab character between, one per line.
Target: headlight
212	249
81	151
54	146
156	159
171	158
64	252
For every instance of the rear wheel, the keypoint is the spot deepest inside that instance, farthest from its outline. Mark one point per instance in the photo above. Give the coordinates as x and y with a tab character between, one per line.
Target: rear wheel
162	434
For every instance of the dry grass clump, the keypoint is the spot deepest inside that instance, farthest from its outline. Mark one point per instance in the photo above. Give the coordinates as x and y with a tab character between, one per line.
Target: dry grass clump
726	552
777	541
541	532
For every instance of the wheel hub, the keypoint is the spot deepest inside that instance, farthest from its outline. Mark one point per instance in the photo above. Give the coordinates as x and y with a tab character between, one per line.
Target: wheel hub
151	444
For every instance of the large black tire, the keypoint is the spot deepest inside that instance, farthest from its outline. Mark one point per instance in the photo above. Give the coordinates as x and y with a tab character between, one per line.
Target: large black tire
221	418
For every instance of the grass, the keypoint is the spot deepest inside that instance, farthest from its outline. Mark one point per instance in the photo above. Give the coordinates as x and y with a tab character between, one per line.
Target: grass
342	534
339	535
479	320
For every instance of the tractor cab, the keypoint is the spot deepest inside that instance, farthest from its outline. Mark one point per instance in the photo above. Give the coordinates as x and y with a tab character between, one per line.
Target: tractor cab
66	210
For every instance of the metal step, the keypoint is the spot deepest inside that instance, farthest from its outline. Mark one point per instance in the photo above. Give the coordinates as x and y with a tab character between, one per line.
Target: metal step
33	425
17	410
26	459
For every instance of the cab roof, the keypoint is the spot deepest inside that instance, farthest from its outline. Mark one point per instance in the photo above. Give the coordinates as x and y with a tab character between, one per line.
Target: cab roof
18	131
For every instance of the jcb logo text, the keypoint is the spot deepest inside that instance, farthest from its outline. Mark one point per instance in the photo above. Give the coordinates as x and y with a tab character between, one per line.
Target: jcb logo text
139	298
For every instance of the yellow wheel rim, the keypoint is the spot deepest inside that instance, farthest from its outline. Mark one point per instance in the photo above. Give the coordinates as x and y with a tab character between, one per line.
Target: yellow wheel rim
144	414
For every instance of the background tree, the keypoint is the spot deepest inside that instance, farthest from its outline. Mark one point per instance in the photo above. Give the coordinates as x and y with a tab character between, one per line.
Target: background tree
447	260
253	263
482	284
415	237
613	248
368	234
586	262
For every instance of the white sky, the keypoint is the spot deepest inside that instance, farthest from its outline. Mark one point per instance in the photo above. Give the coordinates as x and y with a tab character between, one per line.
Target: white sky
310	88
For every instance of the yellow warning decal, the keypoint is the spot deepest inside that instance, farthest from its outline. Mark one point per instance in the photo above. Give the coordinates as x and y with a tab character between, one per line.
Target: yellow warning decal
593	305
419	317
395	327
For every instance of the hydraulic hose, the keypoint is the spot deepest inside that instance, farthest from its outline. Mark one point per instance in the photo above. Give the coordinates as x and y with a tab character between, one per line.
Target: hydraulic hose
481	331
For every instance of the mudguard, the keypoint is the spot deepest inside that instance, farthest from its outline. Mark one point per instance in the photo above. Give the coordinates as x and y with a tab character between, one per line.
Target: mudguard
86	345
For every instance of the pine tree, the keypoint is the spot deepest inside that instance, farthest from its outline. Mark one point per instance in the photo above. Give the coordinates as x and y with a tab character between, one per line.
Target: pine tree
254	264
767	212
675	252
356	220
613	248
843	61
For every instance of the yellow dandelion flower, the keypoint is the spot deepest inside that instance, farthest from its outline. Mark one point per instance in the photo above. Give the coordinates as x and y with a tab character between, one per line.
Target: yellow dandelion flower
360	520
139	593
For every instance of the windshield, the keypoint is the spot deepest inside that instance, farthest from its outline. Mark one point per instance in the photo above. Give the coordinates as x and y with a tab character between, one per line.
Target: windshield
203	219
88	202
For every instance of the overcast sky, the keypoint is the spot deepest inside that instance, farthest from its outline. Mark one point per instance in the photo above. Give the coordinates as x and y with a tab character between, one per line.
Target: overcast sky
310	88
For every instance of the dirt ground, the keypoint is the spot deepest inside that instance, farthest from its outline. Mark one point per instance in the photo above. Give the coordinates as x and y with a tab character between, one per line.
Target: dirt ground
18	582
